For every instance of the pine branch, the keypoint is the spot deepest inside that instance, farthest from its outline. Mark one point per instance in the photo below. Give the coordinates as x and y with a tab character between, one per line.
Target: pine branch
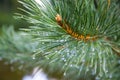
65	30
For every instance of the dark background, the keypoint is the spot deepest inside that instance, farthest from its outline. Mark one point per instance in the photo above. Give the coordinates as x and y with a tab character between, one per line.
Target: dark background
8	8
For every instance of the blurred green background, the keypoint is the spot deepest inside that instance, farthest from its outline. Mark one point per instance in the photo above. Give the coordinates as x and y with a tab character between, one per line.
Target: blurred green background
8	8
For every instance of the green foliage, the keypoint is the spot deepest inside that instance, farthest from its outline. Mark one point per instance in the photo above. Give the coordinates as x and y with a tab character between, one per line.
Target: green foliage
15	47
58	50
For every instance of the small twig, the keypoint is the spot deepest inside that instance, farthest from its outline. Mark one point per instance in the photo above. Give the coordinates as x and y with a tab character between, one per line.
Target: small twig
68	29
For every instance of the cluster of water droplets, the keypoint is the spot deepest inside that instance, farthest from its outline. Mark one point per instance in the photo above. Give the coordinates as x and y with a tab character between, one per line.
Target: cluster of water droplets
82	58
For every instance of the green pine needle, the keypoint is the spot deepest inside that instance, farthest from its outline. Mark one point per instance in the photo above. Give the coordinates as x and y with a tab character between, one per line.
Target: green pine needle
59	48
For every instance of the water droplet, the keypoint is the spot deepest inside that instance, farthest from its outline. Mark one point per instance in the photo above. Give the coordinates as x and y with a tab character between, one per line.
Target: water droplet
104	32
43	43
12	61
20	67
93	49
33	57
66	64
22	62
93	54
47	58
101	74
71	65
61	40
63	59
100	53
91	65
87	69
0	58
68	54
93	72
67	50
73	51
83	60
97	78
64	74
118	61
77	67
12	68
106	71
56	51
110	76
6	63
34	51
46	34
83	51
38	32
100	61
